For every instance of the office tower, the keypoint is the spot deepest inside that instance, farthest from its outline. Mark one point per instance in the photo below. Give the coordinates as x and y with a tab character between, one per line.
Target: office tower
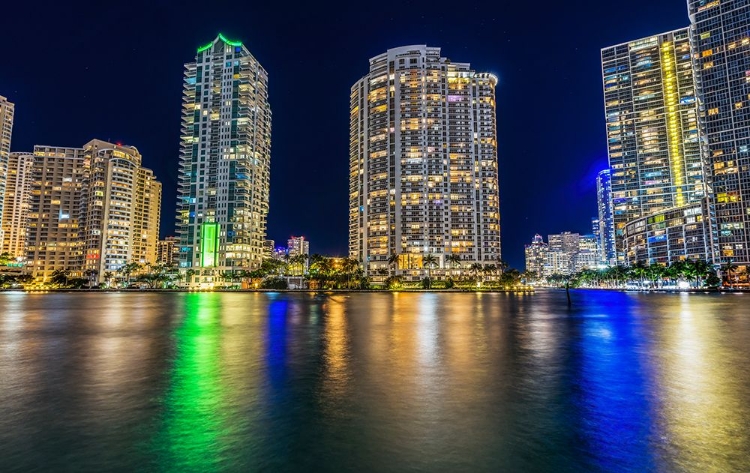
536	255
652	129
606	221
722	64
169	251
7	109
16	205
224	161
423	172
298	246
55	239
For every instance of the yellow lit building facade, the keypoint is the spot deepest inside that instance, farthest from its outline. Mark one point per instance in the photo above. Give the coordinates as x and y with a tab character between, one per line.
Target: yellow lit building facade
7	111
225	160
423	163
91	211
17	200
654	144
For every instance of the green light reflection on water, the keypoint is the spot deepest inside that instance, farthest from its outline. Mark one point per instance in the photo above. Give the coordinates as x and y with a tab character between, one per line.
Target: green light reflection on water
193	422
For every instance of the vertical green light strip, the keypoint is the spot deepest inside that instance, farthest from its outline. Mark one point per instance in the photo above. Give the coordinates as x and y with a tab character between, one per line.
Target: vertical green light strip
674	127
209	244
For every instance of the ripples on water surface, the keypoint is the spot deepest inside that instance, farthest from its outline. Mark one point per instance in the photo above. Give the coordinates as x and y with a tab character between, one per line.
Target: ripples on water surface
361	382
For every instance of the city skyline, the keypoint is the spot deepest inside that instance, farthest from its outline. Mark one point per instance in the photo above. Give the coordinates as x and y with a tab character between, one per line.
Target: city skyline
320	147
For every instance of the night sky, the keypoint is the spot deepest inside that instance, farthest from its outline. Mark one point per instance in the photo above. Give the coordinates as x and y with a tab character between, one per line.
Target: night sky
113	70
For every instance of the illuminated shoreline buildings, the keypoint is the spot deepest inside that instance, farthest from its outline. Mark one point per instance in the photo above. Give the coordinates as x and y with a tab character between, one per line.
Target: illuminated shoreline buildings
91	211
655	154
721	46
423	171
224	161
7	111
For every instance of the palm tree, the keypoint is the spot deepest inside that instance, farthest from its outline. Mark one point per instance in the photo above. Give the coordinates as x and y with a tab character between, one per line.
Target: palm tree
392	259
429	261
502	265
90	274
189	275
349	266
453	259
728	269
476	268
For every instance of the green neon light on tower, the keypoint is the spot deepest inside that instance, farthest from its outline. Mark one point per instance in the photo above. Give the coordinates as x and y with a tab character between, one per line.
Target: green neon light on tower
223	38
209	244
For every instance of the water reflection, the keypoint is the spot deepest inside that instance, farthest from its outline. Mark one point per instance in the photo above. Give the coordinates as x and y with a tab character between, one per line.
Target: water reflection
453	382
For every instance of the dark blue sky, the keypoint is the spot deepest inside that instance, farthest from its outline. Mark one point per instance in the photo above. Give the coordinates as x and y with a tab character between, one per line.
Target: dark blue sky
113	70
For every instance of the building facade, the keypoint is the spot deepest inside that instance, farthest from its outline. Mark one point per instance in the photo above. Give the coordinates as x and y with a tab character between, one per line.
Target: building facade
673	235
298	246
55	238
721	45
536	255
606	221
169	251
423	170
653	137
91	210
16	205
224	161
7	111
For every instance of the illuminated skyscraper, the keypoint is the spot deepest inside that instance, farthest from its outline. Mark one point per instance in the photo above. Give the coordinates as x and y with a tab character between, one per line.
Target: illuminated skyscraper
91	209
652	129
423	171
721	45
606	221
224	161
17	201
7	110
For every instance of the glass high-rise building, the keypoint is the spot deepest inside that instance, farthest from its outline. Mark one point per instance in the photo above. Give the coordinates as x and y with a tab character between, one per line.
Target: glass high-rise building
225	160
606	222
721	44
423	170
651	107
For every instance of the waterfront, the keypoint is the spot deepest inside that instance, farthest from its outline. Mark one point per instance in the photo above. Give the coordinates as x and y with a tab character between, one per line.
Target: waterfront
397	382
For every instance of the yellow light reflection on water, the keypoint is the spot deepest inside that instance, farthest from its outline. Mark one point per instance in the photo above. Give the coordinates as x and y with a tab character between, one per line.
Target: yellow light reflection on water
703	405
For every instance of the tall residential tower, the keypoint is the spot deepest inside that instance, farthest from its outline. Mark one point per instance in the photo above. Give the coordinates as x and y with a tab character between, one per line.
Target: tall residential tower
224	161
605	222
721	45
7	109
423	171
655	154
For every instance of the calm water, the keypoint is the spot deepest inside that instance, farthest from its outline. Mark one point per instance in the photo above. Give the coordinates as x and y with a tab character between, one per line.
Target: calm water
374	382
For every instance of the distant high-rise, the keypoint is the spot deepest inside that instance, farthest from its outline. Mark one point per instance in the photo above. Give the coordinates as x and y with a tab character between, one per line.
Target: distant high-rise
652	129
17	202
168	253
7	110
721	46
423	170
536	256
224	160
606	221
298	246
